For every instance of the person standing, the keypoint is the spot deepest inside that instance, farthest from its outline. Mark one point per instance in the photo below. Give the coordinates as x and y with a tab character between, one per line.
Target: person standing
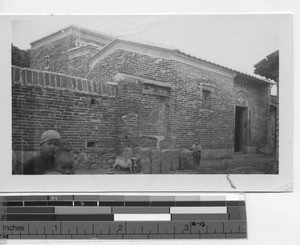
196	152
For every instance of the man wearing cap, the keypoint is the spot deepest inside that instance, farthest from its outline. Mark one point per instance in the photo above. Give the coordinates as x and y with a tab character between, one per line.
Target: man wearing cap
45	160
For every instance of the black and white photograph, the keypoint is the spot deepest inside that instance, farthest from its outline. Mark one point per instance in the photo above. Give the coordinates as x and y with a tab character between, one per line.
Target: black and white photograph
143	95
109	104
126	103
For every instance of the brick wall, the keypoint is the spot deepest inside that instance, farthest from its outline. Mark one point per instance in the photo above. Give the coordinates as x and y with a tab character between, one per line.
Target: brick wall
143	112
140	65
54	56
78	67
80	110
185	120
212	127
56	53
159	104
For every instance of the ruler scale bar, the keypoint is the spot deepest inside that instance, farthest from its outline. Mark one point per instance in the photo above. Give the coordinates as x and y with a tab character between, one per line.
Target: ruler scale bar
141	217
24	210
120	203
196	210
60	217
131	227
123	217
83	210
199	216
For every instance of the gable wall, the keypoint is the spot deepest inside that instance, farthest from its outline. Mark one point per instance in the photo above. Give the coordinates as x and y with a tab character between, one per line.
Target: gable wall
185	121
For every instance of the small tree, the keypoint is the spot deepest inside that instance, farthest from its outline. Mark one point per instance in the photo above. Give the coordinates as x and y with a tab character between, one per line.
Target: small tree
20	57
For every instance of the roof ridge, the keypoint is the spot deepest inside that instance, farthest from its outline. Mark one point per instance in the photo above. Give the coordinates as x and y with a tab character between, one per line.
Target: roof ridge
72	26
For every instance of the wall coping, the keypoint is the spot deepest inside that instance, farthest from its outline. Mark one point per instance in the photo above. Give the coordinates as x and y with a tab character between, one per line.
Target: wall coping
54	80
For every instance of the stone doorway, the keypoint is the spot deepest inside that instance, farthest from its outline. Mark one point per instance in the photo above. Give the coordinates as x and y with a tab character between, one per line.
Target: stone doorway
240	136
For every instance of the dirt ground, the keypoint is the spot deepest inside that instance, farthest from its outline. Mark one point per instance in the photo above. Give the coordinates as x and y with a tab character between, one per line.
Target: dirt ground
239	164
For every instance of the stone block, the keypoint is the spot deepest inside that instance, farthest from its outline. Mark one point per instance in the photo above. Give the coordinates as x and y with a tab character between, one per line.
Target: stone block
17	74
58	80
69	83
175	159
166	161
148	141
74	83
168	143
79	84
113	90
81	157
28	76
22	76
186	160
104	88
63	83
90	88
94	87
144	155
13	74
52	80
127	153
155	161
47	79
41	78
84	86
35	77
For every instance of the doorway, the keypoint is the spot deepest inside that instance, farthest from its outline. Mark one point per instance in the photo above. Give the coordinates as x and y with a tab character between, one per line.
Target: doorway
240	136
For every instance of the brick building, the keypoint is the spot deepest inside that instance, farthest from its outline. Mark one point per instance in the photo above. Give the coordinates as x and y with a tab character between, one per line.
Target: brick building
269	68
102	92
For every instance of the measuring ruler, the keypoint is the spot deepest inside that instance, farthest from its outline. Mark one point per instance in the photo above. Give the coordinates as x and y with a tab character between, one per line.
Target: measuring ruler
122	217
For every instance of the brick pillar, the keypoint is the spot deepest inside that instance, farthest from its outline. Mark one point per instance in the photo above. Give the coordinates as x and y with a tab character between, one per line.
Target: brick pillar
129	102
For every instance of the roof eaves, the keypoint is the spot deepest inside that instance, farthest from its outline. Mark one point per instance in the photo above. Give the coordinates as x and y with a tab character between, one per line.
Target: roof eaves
103	49
174	51
224	67
119	40
260	80
51	34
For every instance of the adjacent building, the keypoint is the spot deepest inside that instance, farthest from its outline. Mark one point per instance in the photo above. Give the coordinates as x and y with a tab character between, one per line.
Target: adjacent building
269	68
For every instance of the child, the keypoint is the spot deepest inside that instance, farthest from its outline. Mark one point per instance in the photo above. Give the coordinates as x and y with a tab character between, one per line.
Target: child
45	160
64	162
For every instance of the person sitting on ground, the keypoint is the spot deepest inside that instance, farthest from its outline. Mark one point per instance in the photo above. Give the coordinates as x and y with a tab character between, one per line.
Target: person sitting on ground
45	160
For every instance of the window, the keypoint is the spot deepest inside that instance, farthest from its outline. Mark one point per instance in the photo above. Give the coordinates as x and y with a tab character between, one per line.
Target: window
206	99
91	144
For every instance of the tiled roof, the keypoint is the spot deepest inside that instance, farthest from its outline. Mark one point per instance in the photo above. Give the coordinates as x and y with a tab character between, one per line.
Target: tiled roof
260	79
269	66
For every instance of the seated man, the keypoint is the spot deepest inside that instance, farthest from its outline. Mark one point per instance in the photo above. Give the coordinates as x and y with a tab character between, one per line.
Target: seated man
45	160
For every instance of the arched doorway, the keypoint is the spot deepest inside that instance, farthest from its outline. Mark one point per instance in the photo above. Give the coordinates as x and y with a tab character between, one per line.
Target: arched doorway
241	122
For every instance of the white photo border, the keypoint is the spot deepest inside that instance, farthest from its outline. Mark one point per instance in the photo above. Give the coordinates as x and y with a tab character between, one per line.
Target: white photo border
153	183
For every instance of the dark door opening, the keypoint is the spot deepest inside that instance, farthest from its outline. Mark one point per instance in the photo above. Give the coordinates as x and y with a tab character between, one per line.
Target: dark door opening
240	136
